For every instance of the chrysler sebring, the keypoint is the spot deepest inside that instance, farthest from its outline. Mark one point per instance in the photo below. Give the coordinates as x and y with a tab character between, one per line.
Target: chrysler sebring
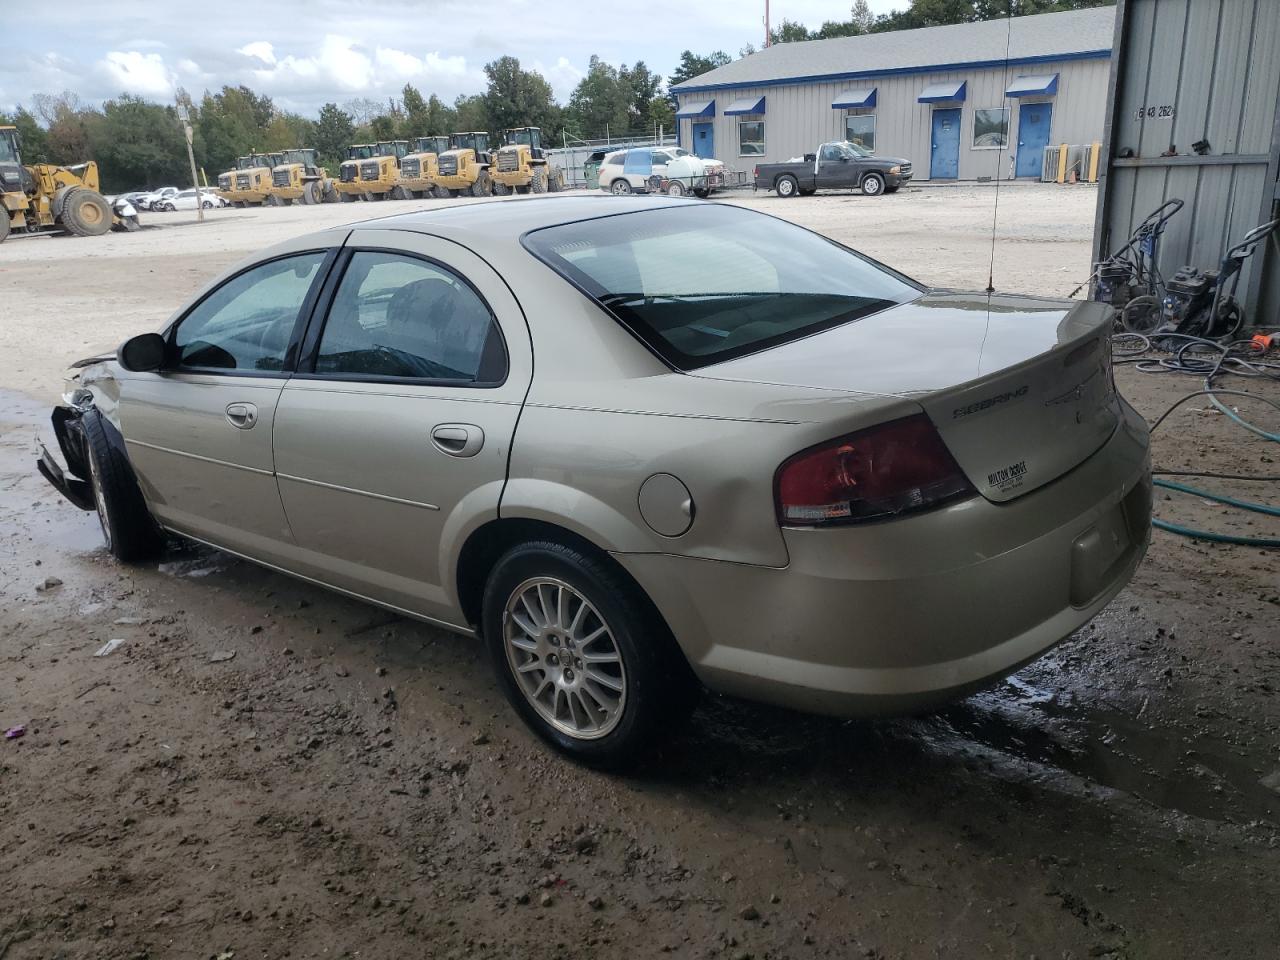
638	447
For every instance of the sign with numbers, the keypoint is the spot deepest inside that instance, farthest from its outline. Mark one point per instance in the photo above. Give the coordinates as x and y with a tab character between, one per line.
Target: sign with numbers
1162	112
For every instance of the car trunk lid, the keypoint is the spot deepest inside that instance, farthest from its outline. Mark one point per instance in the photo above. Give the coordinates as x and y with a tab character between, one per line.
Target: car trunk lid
1019	388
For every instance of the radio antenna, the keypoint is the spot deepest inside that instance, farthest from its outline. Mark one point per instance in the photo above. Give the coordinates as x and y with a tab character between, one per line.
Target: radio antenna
1008	126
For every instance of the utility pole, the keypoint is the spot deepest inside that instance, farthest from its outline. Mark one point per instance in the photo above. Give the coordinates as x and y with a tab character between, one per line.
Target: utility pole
185	116
766	22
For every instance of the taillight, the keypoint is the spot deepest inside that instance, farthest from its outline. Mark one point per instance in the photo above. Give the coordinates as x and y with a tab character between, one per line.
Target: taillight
877	473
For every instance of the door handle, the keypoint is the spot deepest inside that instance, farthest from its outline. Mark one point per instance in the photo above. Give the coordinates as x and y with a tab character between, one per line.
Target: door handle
458	439
242	415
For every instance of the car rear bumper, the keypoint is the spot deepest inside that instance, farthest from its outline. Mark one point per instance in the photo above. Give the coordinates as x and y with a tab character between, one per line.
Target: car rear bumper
902	616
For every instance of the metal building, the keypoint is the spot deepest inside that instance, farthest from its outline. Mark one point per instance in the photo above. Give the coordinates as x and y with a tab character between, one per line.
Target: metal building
964	102
1194	113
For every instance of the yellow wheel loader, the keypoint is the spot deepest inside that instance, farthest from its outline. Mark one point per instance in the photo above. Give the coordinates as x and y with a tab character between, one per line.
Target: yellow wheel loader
522	166
419	168
301	178
464	167
45	197
380	172
251	180
348	182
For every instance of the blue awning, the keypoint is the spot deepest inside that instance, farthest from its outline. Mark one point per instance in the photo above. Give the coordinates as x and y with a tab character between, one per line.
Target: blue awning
697	108
1033	86
855	99
940	92
749	105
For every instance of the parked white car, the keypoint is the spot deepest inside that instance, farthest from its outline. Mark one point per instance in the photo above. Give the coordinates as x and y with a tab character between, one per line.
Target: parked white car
148	200
631	171
186	200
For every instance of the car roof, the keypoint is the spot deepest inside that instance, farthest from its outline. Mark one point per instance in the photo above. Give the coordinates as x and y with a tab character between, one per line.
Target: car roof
510	219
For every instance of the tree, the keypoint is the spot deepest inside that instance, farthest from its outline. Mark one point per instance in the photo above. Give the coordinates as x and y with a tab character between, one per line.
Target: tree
790	31
333	133
415	113
518	98
139	144
692	65
600	104
470	114
362	110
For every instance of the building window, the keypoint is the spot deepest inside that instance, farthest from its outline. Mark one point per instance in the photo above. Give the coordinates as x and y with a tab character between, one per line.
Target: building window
751	138
861	130
991	128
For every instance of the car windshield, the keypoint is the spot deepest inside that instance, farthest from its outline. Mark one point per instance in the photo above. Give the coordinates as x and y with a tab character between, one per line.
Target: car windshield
706	283
856	149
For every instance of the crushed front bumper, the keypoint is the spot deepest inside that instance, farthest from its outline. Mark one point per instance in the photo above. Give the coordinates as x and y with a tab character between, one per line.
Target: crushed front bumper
71	439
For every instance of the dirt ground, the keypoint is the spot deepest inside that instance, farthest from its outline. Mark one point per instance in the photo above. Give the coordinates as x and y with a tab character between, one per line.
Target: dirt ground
263	769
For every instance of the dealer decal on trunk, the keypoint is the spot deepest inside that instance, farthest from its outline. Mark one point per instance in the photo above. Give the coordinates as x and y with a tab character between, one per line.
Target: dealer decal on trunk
1008	478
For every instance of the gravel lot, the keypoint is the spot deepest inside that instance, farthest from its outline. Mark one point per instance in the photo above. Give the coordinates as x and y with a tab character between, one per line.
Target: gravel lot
350	784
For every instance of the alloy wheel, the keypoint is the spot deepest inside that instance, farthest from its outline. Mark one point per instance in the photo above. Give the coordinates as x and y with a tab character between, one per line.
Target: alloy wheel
564	658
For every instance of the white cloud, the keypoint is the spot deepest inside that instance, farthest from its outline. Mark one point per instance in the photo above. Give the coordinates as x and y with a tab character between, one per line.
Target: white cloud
140	73
563	77
260	50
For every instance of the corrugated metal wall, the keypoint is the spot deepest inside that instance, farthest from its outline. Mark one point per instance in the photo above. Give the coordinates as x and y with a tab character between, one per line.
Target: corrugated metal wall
1185	71
799	116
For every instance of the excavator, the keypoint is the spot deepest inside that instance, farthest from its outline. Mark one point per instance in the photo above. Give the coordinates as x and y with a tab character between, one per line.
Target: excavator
45	197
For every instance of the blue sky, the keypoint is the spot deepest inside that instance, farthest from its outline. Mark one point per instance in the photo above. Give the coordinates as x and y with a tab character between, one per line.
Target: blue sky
306	53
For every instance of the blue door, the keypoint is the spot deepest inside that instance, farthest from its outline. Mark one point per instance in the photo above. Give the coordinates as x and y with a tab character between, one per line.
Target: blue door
704	141
944	161
1034	120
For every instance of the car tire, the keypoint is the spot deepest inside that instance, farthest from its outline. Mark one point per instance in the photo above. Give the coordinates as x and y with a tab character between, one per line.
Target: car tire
787	186
640	686
872	185
207	204
620	187
131	533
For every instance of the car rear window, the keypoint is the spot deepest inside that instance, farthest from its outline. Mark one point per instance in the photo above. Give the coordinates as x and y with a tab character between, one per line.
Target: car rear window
700	284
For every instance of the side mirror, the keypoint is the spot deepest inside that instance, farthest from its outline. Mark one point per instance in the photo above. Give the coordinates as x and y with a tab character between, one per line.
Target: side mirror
143	353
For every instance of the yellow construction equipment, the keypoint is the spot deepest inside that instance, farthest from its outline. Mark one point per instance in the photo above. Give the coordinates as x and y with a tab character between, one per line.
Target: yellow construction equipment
251	180
348	182
522	165
300	177
419	168
45	197
379	174
464	167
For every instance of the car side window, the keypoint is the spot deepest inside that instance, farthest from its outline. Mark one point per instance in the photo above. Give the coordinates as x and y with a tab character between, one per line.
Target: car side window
246	323
830	152
616	160
660	158
401	317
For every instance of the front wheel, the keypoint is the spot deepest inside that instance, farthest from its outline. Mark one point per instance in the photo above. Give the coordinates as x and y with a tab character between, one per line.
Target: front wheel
1141	314
127	526
620	188
787	187
872	185
581	655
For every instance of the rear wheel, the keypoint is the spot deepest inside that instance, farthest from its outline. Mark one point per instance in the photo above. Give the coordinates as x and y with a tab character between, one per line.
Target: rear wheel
311	192
207	204
500	189
399	193
483	187
130	532
787	186
872	185
620	187
4	224
346	198
675	189
85	213
273	201
581	655
555	181
538	182
442	193
1141	314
